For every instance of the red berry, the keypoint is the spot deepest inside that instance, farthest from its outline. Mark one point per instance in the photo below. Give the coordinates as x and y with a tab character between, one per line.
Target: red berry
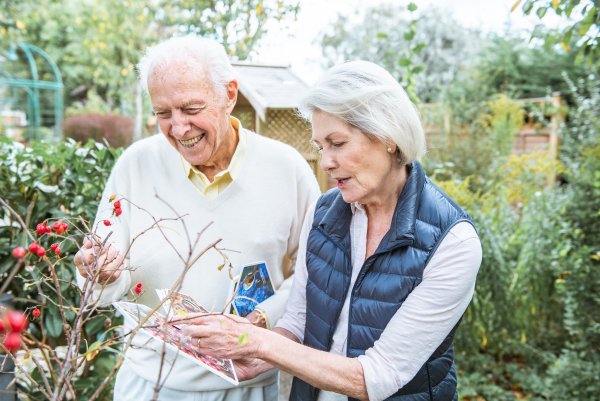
137	290
48	230
12	342
106	223
59	227
54	246
35	313
40	228
41	252
17	321
138	285
19	252
117	204
2	328
33	247
118	211
57	250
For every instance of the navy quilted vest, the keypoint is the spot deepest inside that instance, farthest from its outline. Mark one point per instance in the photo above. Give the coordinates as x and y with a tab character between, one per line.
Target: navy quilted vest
423	216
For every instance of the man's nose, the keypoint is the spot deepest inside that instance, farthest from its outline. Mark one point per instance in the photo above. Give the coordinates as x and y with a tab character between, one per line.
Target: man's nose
180	124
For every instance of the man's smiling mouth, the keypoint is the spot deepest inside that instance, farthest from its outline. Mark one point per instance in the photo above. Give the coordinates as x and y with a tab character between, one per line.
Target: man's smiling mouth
189	143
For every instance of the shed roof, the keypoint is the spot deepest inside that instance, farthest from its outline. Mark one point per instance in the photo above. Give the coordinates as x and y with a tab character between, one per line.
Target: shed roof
269	86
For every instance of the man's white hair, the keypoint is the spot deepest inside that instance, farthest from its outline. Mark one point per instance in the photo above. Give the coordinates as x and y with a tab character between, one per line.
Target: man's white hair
367	97
191	54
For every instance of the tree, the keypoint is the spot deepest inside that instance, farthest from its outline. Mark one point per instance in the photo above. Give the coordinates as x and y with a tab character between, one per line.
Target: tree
582	32
433	47
96	44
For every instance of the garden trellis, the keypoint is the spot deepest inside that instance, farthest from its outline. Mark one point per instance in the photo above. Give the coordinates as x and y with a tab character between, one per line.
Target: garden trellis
31	97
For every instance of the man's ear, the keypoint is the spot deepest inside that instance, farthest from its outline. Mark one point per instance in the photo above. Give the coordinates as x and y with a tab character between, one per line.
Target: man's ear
232	91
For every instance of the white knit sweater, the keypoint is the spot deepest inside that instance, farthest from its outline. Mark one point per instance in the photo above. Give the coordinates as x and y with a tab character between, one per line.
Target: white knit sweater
259	216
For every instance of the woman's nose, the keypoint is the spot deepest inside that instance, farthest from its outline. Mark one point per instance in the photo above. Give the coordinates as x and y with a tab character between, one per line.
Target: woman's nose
327	161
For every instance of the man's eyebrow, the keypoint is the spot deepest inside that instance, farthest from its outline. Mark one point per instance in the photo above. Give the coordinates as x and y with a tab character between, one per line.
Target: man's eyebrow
192	103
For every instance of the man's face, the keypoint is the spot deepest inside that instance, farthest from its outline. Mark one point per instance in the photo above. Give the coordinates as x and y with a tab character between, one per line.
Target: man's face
194	117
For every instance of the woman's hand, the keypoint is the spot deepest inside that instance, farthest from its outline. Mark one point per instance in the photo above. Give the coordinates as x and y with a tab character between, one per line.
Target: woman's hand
223	336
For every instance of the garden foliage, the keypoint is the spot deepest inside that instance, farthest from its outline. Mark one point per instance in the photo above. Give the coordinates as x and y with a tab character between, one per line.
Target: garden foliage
533	327
49	182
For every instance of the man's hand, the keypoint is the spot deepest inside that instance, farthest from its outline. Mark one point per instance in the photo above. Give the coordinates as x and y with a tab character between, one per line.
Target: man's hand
94	261
249	368
258	318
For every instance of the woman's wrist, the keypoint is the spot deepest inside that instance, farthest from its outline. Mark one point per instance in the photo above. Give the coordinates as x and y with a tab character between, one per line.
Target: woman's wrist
259	338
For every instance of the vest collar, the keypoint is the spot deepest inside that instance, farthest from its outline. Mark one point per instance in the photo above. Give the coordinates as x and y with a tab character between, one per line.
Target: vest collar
336	221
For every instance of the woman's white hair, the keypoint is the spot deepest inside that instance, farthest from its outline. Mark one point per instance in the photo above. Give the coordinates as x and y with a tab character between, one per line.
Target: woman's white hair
367	97
189	54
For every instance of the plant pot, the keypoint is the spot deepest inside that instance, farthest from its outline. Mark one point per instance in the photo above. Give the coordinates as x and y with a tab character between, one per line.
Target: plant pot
8	391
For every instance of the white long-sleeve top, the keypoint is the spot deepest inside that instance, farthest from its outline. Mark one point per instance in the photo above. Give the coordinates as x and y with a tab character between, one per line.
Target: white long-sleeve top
420	325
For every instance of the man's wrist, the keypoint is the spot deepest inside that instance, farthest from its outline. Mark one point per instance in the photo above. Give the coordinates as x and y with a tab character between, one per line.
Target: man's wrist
259	318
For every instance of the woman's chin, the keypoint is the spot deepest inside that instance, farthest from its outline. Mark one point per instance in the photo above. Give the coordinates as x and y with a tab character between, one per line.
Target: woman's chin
348	197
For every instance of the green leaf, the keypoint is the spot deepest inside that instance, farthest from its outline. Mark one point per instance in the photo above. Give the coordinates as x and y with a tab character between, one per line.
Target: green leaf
408	36
52	322
242	339
404	62
412	7
94	326
541	12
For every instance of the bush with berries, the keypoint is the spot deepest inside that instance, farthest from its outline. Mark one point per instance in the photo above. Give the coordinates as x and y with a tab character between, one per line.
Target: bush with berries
49	193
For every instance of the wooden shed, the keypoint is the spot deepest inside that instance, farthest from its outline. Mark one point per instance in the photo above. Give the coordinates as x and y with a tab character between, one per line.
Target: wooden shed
267	100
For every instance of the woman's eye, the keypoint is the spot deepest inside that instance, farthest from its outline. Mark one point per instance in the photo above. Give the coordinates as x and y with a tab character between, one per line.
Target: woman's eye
337	144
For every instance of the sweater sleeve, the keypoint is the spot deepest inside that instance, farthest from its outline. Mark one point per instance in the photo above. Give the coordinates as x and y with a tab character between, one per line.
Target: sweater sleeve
117	232
307	191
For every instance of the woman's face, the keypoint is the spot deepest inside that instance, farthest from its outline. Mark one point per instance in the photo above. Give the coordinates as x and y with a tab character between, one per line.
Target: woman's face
361	166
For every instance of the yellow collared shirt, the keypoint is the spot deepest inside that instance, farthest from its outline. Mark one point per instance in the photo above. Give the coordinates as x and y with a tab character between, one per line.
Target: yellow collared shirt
222	180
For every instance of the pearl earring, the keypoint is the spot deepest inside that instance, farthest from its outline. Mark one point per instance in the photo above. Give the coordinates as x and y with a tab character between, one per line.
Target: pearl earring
389	150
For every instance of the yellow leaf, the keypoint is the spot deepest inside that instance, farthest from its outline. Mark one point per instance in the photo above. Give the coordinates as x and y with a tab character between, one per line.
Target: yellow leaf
565	46
555	4
514	6
124	72
259	10
112	197
91	355
220	267
484	341
20	25
93	350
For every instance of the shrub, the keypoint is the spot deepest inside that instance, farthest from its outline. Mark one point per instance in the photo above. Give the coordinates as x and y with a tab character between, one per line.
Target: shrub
50	182
115	129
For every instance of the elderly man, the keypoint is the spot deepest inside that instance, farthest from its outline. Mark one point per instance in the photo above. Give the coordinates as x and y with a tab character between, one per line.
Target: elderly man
207	168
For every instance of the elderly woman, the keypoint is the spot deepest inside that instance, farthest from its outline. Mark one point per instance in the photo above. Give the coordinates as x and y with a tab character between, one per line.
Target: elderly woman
386	266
